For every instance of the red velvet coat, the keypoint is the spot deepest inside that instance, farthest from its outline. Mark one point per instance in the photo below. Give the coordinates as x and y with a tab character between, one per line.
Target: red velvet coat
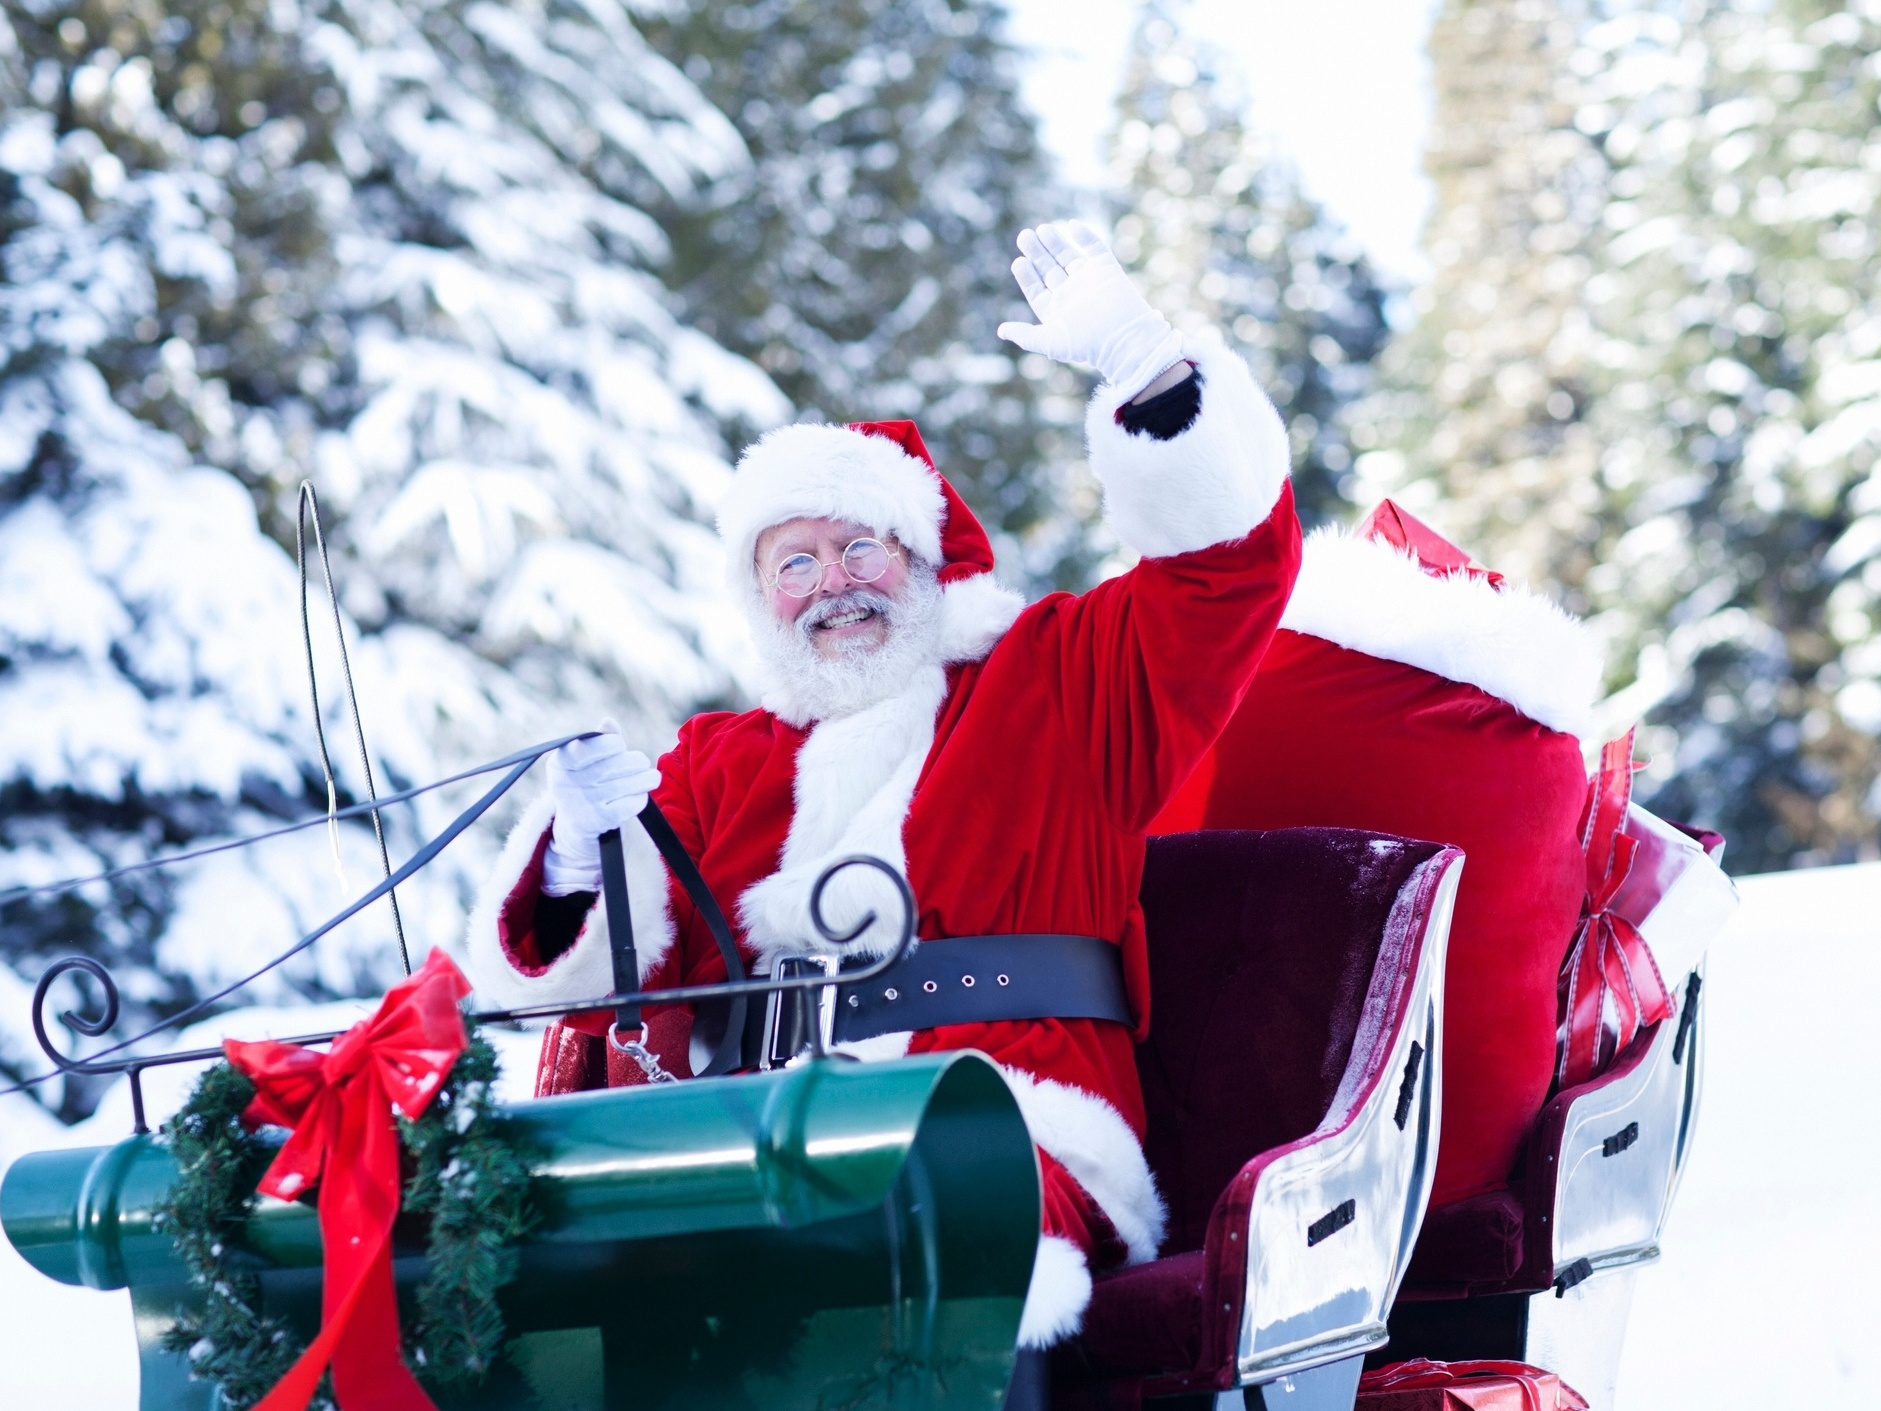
1050	755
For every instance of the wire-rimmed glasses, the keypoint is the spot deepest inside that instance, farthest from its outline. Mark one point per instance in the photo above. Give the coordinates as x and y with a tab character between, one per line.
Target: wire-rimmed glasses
863	561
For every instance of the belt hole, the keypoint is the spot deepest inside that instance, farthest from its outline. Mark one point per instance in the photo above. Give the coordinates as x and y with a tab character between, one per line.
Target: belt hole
855	1001
930	986
891	993
1005	979
967	980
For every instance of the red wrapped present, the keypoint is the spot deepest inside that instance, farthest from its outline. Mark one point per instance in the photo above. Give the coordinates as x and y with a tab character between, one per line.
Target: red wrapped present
1422	1385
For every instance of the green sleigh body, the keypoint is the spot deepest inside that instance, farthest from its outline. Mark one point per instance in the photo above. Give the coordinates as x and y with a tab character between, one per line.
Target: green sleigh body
826	1236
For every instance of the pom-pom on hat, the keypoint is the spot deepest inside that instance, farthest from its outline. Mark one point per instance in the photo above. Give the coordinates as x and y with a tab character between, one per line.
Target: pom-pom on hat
878	474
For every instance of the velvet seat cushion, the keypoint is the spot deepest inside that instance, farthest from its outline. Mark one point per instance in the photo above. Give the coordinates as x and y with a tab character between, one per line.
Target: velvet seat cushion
1466	1244
1145	1319
1261	949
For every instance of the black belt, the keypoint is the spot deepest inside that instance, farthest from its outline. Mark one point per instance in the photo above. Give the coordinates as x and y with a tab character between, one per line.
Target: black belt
982	979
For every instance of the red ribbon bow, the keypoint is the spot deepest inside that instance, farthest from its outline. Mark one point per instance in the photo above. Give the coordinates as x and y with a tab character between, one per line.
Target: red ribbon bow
1610	986
339	1104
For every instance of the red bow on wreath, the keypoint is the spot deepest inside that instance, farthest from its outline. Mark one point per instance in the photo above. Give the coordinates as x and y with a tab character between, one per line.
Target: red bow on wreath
339	1104
1610	986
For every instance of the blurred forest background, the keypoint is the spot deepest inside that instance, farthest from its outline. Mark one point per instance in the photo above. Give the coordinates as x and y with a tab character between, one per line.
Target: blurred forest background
511	283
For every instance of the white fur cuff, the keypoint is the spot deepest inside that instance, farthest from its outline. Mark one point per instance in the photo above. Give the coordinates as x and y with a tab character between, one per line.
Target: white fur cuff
1059	1293
586	969
1089	1138
1212	484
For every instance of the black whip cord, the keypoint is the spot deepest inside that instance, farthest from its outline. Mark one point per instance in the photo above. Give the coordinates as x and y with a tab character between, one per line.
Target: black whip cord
308	508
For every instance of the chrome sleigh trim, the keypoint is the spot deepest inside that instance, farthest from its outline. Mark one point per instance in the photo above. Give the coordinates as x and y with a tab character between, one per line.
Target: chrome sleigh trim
1332	1221
1623	1148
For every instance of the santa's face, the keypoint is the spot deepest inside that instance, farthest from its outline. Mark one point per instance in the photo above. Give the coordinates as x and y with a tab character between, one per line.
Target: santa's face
838	617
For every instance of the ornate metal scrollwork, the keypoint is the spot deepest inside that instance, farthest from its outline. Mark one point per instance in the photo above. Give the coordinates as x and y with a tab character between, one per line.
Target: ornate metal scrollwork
77	1023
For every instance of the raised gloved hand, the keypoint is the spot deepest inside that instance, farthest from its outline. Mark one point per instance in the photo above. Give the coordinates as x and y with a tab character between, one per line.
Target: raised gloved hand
1088	311
596	784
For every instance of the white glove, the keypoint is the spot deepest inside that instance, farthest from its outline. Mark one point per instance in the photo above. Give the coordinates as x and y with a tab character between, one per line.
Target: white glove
1088	311
596	784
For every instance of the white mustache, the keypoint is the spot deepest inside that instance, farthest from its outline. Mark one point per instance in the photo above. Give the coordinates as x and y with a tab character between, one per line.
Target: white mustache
849	600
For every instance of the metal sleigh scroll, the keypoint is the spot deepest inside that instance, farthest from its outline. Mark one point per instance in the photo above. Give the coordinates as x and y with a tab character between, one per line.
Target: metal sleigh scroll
820	1235
626	999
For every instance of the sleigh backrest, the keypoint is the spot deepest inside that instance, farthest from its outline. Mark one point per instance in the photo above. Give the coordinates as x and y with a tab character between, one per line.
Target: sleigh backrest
1262	950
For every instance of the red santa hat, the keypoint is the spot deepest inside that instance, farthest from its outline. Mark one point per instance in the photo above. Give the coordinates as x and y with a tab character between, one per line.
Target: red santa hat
878	474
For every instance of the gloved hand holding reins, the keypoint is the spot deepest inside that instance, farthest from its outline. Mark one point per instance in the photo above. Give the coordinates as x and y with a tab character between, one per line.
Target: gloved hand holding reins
1088	311
597	785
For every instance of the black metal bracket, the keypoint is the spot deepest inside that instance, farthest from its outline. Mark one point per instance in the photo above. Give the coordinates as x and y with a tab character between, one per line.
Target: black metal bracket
1333	1221
626	998
1407	1090
1579	1272
1688	1016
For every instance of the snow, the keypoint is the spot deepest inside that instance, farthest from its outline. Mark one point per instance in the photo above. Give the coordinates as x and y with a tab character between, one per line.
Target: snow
1763	1298
73	1347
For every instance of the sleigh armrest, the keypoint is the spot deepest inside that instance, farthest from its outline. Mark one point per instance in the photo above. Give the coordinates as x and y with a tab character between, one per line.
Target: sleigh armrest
1293	1261
1332	1217
1605	1158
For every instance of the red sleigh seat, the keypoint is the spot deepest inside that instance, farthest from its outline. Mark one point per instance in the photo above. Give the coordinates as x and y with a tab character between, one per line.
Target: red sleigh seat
1292	1086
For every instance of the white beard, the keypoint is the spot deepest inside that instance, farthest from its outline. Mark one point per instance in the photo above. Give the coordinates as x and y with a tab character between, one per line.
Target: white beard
807	686
871	713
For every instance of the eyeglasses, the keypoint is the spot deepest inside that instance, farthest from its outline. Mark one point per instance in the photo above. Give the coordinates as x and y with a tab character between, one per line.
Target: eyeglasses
864	561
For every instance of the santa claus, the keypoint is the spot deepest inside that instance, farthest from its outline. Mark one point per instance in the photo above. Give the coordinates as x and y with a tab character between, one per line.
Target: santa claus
1007	759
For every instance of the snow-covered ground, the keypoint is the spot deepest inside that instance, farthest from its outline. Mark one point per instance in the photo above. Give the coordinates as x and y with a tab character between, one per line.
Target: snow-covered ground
1765	1296
72	1348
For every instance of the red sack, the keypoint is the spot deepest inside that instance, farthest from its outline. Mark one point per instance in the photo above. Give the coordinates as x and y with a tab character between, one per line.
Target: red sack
1421	1385
1410	692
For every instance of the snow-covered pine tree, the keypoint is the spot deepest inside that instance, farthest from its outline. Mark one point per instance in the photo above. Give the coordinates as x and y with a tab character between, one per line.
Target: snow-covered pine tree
533	443
394	253
1212	220
863	258
150	678
1671	249
1480	403
1740	413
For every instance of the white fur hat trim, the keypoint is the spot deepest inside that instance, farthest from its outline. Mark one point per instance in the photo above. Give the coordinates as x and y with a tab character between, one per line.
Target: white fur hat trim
810	471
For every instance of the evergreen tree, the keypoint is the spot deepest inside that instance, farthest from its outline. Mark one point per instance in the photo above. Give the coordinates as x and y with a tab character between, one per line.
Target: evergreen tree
863	258
1481	407
1700	310
392	246
1214	224
1740	414
532	443
148	676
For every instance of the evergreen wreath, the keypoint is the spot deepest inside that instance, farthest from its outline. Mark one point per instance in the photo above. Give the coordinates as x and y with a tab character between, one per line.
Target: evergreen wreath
465	1177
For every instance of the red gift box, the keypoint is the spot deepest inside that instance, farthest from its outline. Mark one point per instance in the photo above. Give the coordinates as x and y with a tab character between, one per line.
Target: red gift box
1422	1385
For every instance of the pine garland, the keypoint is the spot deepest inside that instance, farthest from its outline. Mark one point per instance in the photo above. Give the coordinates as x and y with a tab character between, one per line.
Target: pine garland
218	1162
465	1177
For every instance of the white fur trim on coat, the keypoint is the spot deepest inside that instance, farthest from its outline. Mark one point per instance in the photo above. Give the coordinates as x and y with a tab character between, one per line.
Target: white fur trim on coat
1213	483
1516	645
828	472
1090	1139
854	781
586	969
975	613
1059	1293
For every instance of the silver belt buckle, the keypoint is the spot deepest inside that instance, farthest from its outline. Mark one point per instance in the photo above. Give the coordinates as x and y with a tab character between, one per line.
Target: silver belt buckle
787	1040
